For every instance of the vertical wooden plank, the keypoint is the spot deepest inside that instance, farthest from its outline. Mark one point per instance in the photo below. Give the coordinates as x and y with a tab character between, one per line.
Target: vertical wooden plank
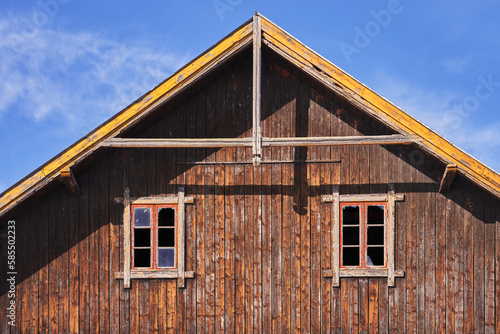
257	246
295	238
420	219
325	218
388	167
83	278
229	172
479	263
94	249
365	312
354	188
411	256
267	110
440	263
178	293
468	258
489	265
104	249
497	268
63	262
135	191
249	226
35	249
453	226
153	189
250	221
220	210
373	307
335	125
457	279
126	159
74	262
305	217
53	276
115	239
315	122
398	314
201	195
168	291
430	260
276	206
191	217
210	218
240	112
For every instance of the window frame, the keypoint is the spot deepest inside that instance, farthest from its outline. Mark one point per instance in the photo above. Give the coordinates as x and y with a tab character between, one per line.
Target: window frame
336	271
129	272
363	235
154	247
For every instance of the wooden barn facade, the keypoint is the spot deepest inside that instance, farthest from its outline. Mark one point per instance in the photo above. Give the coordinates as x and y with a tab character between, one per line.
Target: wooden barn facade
259	189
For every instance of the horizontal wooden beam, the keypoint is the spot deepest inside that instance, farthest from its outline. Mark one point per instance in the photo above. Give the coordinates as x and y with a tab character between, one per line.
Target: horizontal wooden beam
364	198
449	175
155	274
70	182
155	200
336	141
375	272
266	141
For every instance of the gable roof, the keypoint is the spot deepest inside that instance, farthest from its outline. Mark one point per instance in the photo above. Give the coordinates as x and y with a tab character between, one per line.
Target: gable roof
294	51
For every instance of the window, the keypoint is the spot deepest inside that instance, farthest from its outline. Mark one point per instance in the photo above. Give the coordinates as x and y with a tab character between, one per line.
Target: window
363	229
363	235
154	237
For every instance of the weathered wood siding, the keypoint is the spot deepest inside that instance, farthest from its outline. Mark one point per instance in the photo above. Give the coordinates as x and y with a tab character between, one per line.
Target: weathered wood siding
257	238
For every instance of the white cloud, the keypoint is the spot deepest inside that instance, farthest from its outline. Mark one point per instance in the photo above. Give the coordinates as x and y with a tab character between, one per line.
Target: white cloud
456	64
81	76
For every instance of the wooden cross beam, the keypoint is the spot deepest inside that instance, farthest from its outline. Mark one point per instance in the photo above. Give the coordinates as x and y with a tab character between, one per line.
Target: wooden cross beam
449	175
263	141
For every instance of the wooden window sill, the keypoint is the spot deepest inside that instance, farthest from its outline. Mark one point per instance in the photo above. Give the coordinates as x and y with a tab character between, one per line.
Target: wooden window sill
152	274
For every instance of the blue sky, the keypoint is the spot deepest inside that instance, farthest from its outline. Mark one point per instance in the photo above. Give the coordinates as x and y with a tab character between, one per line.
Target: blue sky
68	65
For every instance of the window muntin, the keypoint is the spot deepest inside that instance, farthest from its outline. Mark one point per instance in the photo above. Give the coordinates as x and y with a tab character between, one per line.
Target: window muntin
363	235
154	235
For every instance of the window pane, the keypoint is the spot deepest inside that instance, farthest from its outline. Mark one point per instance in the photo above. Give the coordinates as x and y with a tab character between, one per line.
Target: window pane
375	256
375	235
376	214
142	258
142	237
166	258
142	217
350	256
350	235
166	237
350	215
166	217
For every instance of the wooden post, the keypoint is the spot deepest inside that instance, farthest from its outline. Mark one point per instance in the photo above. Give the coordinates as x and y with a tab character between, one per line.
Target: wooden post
181	237
335	237
448	177
126	238
256	101
391	210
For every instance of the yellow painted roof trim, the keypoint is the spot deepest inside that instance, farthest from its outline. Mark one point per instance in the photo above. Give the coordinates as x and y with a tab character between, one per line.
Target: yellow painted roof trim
123	119
382	109
377	105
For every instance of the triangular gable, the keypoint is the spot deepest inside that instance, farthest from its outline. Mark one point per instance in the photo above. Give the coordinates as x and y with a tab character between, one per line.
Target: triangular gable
297	53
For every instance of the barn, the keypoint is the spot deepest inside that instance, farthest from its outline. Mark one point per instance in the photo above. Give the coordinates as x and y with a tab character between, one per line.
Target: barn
258	189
